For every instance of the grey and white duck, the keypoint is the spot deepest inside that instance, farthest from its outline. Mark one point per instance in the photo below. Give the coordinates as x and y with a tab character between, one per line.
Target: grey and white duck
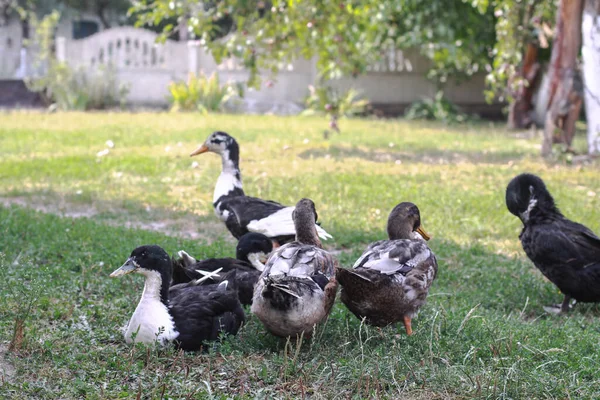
242	213
390	281
186	314
297	288
252	252
566	252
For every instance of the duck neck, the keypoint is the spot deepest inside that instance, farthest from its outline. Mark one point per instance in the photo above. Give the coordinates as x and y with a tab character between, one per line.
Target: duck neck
396	232
230	180
306	231
541	215
156	288
540	210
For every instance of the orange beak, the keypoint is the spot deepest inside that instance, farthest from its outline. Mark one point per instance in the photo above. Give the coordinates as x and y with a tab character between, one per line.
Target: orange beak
423	233
199	150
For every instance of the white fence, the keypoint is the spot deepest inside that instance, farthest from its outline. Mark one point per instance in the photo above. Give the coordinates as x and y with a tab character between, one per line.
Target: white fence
10	49
148	68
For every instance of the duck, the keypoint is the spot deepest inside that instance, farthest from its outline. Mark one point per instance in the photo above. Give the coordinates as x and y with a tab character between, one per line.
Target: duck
187	314
251	253
297	288
390	281
566	252
241	213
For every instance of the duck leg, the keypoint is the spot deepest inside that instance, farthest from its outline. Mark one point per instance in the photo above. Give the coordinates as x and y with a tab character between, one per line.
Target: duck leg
564	307
407	325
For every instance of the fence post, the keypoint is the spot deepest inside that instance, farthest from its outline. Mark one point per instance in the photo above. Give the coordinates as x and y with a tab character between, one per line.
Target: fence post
61	49
193	56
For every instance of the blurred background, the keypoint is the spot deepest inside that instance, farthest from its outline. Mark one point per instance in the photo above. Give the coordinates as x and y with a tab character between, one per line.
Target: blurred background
531	63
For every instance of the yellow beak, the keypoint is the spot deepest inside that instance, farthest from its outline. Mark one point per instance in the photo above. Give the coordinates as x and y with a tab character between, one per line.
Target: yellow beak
199	150
423	233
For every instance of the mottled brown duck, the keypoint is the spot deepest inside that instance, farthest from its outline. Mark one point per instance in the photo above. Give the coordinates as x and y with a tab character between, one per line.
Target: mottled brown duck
391	279
298	286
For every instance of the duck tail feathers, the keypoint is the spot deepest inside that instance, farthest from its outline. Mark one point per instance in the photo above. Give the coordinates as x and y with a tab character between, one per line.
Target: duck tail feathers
323	234
185	259
272	286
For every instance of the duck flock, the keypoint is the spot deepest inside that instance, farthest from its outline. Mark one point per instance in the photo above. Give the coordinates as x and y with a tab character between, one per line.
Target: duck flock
290	282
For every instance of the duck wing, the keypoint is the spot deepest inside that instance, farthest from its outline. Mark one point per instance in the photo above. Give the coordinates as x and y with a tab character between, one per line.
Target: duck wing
562	244
390	257
202	313
296	261
244	278
272	219
587	243
240	211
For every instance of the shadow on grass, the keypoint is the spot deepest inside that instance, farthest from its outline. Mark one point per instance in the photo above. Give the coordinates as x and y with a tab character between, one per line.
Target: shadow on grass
481	309
127	213
429	156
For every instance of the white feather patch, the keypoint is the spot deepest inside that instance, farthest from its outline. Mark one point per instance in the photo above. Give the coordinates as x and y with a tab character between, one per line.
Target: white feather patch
151	320
255	260
280	223
225	184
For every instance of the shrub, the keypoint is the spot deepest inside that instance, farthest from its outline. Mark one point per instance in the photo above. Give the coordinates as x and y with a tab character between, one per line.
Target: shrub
64	87
69	89
334	103
439	108
201	93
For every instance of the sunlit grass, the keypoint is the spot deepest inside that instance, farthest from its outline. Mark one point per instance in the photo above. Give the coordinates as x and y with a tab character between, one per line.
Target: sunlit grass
483	332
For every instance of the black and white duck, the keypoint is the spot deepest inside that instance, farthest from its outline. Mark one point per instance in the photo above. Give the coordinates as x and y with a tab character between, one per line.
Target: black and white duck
391	279
242	213
251	254
567	253
186	314
297	288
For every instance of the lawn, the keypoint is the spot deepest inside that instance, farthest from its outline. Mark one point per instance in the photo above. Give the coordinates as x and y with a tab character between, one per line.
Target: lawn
71	212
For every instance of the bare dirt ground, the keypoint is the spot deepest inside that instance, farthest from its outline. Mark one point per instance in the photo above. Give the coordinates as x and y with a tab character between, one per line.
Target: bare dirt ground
186	227
7	370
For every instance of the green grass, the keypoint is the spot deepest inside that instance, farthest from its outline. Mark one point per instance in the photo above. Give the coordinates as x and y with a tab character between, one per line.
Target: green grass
482	334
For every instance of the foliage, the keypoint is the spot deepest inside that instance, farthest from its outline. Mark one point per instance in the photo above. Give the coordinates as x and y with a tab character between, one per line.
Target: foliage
457	36
201	93
482	333
346	37
438	108
69	89
100	8
518	23
63	86
334	103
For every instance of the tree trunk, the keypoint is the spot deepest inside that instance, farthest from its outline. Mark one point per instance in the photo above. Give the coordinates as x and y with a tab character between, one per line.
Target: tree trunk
565	99
519	115
183	29
590	30
101	8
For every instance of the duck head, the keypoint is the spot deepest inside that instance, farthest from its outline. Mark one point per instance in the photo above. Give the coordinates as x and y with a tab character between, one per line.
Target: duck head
305	216
217	142
255	248
526	194
404	222
152	262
